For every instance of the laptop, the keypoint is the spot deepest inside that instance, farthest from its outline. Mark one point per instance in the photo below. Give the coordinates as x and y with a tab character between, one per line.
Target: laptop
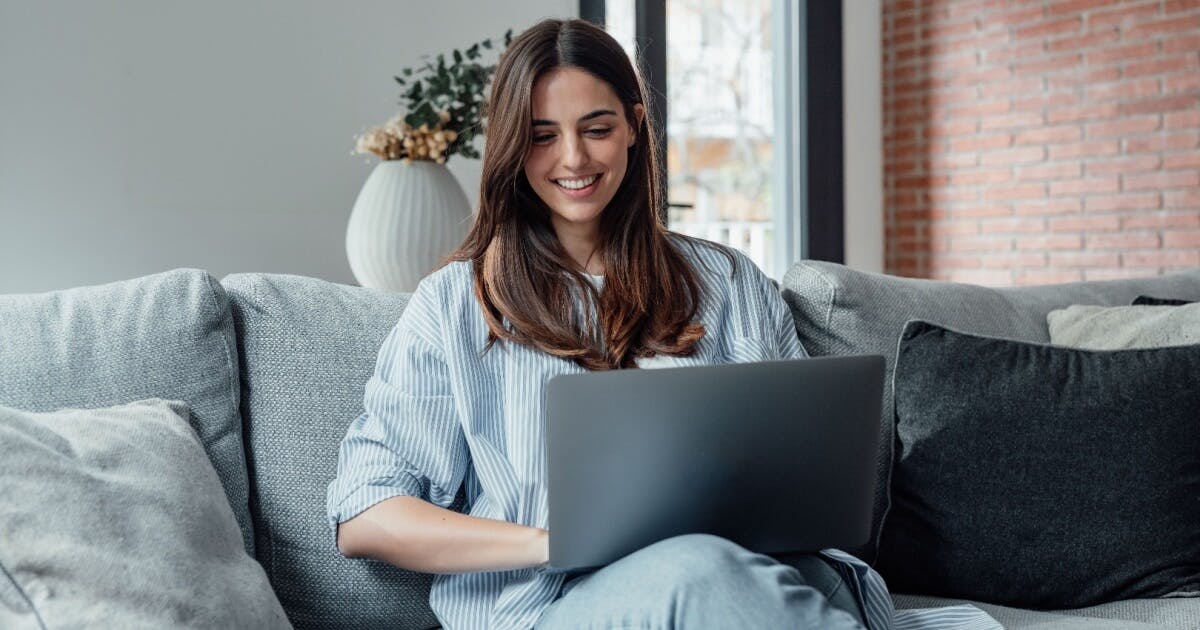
777	456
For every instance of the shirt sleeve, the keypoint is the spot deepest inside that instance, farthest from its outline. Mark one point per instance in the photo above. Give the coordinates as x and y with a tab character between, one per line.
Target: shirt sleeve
785	325
408	441
765	330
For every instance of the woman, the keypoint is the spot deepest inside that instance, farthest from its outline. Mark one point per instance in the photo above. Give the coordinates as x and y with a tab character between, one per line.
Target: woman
566	269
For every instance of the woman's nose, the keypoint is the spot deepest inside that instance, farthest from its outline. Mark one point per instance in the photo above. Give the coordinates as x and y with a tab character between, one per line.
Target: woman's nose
574	153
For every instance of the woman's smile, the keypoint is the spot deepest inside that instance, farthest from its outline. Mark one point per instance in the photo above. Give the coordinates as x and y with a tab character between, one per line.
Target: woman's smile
578	187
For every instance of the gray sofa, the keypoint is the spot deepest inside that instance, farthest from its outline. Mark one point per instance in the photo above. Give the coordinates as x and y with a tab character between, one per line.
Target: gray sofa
273	367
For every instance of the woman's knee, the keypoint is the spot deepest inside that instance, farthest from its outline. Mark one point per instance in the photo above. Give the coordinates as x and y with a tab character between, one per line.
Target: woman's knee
693	562
692	558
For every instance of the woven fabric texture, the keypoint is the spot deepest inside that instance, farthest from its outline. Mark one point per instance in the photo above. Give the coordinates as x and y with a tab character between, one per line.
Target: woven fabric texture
308	348
115	518
1120	327
839	310
168	335
1073	474
1131	614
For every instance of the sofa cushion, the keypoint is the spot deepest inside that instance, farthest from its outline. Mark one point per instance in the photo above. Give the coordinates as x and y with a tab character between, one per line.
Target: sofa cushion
308	348
1133	614
1119	327
1054	478
114	517
839	310
169	335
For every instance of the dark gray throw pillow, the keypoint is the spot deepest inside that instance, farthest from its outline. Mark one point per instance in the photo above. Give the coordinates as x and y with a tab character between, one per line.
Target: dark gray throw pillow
1039	476
1146	300
840	310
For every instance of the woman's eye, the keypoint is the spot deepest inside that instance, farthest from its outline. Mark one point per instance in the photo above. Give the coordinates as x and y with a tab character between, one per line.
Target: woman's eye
542	139
599	132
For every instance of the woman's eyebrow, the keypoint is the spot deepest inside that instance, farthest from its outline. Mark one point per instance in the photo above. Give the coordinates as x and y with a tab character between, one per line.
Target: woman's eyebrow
539	122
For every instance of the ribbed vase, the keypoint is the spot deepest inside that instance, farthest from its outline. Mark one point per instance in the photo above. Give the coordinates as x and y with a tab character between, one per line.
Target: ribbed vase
405	220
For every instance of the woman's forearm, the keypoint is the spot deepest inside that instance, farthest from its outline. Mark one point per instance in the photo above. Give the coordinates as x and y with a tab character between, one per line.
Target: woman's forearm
417	535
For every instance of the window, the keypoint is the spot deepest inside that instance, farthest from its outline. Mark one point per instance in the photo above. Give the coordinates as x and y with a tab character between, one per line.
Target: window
720	126
738	112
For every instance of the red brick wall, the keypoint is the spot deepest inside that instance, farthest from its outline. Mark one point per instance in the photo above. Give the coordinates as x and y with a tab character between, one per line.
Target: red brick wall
1029	142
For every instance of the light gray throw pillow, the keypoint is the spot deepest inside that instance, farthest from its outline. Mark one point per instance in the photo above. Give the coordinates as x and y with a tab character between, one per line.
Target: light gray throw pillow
115	518
168	335
1124	327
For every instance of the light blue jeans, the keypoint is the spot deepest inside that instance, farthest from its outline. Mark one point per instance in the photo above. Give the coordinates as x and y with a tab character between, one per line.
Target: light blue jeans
703	581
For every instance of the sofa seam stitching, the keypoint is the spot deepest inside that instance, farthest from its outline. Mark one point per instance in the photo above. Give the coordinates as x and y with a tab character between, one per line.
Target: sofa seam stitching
235	386
833	294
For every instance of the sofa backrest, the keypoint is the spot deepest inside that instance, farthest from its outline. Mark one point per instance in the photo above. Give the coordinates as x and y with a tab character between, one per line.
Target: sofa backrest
841	311
308	348
169	335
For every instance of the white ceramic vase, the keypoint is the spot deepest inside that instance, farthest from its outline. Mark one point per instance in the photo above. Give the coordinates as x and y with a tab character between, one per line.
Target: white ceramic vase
406	219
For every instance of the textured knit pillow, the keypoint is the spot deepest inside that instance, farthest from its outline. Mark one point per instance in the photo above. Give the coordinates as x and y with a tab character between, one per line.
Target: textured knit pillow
1120	327
1038	476
115	518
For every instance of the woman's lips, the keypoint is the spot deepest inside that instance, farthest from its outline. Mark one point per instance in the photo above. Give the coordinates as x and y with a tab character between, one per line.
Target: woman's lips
579	193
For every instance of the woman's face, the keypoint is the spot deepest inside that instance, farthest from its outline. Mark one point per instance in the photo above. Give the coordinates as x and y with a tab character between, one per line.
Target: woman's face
579	150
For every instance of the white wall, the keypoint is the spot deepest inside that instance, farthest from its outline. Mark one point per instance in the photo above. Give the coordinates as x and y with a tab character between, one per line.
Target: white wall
863	133
139	136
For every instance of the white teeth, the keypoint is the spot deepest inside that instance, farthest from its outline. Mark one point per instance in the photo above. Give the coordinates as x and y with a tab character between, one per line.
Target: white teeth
576	184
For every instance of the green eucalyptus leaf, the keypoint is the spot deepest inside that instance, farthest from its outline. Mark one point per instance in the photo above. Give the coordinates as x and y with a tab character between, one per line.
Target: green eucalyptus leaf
422	115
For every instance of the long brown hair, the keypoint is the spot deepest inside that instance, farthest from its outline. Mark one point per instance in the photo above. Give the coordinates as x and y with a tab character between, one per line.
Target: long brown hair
522	272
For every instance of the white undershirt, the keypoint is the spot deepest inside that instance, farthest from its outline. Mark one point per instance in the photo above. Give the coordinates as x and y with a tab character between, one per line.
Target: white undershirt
656	361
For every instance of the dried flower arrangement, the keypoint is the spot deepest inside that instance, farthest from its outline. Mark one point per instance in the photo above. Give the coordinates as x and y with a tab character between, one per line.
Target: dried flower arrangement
444	105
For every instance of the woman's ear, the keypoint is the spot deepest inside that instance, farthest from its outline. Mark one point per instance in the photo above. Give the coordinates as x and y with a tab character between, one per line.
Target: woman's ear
639	113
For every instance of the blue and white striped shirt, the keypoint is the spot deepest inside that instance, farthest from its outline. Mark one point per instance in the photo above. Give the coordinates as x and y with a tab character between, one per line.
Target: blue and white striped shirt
438	416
